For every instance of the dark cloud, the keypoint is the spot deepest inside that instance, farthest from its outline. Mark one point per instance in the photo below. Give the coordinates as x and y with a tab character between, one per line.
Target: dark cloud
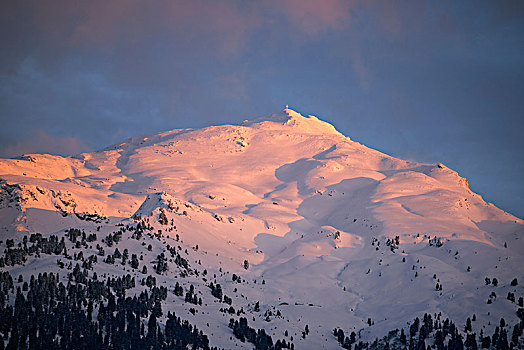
432	81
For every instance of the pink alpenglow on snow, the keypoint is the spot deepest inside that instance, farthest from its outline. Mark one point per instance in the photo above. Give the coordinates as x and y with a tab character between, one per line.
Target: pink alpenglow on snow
321	229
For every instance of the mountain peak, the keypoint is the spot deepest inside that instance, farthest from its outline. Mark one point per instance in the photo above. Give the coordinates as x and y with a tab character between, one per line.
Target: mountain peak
283	199
292	113
291	118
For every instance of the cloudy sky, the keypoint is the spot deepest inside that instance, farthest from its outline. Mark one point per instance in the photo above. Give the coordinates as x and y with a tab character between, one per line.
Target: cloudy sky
431	81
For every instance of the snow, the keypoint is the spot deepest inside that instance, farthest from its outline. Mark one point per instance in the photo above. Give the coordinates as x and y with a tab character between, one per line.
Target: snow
275	191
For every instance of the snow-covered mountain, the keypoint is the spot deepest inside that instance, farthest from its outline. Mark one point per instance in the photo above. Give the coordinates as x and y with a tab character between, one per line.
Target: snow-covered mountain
320	229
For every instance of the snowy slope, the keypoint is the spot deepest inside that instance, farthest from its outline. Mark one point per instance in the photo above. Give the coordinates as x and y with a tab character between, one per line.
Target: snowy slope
316	214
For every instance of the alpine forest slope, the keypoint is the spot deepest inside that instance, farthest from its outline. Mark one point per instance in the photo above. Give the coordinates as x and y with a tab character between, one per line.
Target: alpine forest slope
277	233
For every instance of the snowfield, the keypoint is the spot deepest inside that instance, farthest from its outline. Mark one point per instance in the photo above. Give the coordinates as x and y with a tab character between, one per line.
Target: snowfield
336	234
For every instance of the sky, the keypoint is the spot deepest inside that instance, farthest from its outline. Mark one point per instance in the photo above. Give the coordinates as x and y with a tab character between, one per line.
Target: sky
428	81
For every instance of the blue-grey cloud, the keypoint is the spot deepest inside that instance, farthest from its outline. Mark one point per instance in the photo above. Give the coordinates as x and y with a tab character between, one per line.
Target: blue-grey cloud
434	82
